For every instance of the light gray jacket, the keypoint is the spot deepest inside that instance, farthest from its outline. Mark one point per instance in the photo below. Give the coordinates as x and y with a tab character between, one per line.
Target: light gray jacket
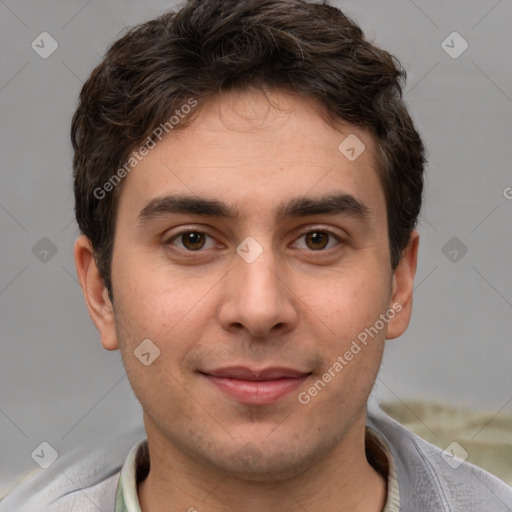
86	481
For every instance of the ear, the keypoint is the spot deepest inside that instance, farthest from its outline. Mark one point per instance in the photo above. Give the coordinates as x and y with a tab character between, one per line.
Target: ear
403	282
95	293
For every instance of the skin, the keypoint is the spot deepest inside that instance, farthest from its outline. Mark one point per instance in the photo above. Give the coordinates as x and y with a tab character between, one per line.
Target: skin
299	305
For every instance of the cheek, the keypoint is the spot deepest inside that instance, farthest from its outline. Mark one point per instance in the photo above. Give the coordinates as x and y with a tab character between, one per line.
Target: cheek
347	304
147	309
152	298
155	367
352	348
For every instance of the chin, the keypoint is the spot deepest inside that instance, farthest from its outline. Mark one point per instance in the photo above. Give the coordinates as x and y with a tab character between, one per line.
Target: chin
265	462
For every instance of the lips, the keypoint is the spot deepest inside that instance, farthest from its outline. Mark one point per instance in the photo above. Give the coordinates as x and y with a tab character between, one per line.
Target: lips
253	386
243	373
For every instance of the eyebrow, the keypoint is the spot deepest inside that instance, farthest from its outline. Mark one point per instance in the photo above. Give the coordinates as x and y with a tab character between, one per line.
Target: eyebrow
332	204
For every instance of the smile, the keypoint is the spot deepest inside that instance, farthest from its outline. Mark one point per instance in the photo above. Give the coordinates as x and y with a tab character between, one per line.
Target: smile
256	387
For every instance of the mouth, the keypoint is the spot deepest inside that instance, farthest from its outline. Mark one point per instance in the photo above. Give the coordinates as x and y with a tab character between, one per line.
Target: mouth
256	387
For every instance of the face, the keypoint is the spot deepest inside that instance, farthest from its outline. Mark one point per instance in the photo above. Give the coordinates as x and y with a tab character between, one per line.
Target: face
266	304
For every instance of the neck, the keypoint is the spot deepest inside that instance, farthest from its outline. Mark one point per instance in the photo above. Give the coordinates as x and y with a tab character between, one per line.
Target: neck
344	481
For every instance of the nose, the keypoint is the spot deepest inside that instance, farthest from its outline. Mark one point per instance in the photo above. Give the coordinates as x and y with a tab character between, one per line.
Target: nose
259	297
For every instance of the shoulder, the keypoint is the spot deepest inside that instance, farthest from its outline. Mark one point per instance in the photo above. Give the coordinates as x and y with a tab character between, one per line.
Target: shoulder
84	479
430	479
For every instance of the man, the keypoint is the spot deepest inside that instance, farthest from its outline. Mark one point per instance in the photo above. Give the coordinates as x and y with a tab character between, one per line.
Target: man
247	184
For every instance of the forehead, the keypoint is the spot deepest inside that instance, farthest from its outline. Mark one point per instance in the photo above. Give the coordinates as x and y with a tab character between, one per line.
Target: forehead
252	151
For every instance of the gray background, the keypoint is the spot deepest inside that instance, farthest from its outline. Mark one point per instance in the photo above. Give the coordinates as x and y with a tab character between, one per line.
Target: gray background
56	382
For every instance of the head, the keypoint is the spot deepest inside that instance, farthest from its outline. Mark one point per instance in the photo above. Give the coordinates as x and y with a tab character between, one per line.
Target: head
229	121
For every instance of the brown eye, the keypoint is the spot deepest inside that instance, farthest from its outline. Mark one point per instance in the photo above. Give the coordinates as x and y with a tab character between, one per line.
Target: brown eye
190	240
193	240
318	239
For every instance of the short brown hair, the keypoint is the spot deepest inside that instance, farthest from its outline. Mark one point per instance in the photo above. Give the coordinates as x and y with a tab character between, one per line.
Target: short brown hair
209	46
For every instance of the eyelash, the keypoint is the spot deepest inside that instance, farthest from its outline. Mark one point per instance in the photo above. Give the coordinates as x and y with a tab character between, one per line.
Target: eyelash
176	236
